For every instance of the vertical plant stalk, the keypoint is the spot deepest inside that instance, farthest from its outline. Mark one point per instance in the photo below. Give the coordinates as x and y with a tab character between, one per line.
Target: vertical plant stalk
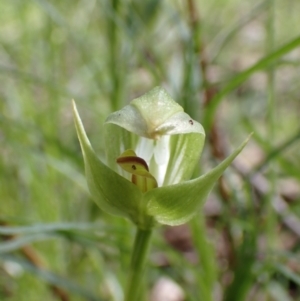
206	278
269	211
271	121
114	59
202	245
137	265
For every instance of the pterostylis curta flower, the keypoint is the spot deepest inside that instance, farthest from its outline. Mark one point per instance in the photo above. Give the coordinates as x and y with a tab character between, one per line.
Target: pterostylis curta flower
152	148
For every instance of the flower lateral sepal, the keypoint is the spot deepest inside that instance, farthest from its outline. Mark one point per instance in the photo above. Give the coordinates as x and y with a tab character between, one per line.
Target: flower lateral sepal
111	192
177	204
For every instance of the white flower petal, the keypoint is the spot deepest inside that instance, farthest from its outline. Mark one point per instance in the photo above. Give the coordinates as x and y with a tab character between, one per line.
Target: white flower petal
161	157
145	149
161	150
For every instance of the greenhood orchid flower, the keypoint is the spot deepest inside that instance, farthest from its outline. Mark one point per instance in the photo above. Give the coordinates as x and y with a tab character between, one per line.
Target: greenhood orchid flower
152	148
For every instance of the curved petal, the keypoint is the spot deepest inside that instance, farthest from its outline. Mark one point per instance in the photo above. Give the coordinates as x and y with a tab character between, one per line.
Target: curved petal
154	114
180	123
177	204
111	192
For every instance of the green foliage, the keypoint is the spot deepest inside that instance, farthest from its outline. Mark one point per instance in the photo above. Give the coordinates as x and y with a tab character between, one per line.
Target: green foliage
232	65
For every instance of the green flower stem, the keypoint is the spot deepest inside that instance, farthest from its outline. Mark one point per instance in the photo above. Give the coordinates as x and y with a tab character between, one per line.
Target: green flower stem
206	275
137	264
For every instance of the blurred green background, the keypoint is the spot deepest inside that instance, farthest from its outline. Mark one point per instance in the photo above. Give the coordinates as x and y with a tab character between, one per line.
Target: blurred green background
233	65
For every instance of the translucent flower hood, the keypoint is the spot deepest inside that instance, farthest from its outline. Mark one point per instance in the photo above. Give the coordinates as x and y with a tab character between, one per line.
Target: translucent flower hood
152	148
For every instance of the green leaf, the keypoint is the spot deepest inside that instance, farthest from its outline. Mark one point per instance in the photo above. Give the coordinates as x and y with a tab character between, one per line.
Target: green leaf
288	273
243	76
177	204
52	278
278	291
46	228
111	192
244	262
17	243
